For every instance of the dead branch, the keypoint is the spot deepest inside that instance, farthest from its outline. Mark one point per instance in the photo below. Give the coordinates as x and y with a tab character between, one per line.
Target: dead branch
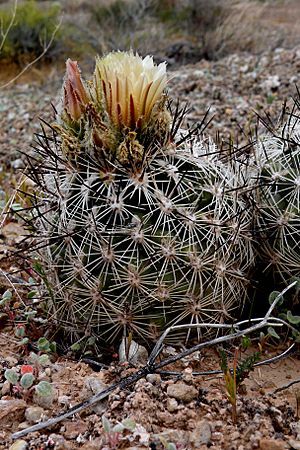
34	61
4	33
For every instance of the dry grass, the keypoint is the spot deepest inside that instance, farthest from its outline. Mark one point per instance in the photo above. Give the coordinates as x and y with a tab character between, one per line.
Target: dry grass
179	31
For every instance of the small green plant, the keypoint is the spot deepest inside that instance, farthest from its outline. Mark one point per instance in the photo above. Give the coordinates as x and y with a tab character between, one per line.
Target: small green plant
24	383
114	433
234	378
167	445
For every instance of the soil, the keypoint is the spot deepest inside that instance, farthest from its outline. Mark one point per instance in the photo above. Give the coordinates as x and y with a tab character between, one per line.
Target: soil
196	415
192	412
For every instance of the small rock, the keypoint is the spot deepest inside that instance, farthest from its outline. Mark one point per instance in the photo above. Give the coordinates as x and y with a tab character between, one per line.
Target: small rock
201	433
271	83
172	404
95	444
33	414
271	444
5	388
295	427
19	445
153	378
137	355
64	400
91	387
182	392
295	445
48	371
11	361
17	163
23	425
73	429
11	411
235	435
171	435
218	425
58	440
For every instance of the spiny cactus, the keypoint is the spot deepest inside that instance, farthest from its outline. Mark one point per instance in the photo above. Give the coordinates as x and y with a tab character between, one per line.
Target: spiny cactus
138	225
278	218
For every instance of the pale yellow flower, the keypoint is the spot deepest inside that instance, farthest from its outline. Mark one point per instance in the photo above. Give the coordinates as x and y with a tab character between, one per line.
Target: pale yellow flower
131	86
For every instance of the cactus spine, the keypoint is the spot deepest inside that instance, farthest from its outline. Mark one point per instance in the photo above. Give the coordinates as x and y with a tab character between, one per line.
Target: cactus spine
278	218
138	224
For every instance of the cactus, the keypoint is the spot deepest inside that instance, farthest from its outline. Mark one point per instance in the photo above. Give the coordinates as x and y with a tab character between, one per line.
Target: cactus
138	224
278	200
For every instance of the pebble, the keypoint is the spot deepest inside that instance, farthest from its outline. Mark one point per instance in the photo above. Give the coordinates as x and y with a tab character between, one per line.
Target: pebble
73	429
271	444
11	411
92	386
64	400
5	390
153	378
19	445
11	361
179	437
33	414
235	435
294	444
295	427
59	441
182	392
137	355
201	433
172	404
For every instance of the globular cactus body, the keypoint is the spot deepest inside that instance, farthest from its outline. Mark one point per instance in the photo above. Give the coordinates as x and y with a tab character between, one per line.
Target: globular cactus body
278	200
139	226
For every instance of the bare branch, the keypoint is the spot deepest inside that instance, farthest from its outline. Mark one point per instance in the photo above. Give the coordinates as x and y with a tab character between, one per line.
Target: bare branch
5	33
27	67
286	386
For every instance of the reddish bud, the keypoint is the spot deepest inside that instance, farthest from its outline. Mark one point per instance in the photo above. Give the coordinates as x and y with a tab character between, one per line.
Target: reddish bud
75	95
26	369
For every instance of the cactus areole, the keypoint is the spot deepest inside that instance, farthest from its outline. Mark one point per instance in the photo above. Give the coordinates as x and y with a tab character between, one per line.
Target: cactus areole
139	225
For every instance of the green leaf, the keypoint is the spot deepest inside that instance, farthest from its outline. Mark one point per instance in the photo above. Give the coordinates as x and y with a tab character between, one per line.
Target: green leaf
171	446
297	285
52	347
129	424
44	360
75	347
246	342
43	344
20	331
31	294
39	268
274	295
29	314
294	320
24	341
119	428
11	376
296	336
33	357
7	295
27	380
106	424
273	333
44	389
